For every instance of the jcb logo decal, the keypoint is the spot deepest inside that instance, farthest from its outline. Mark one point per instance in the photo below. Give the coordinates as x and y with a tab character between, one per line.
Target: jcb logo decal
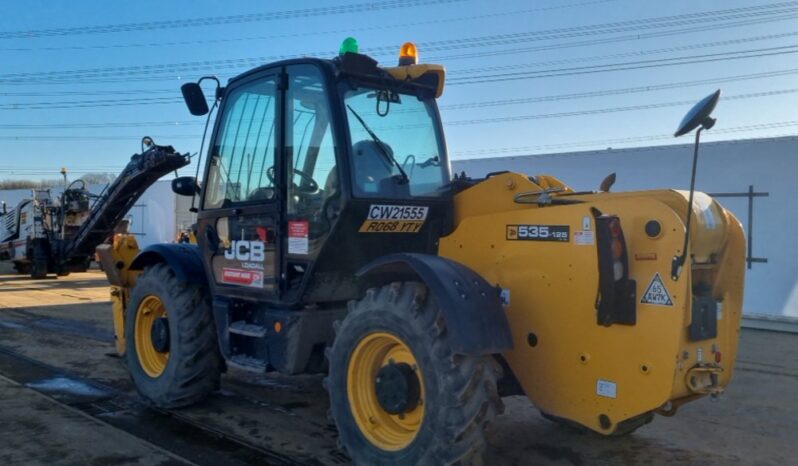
246	251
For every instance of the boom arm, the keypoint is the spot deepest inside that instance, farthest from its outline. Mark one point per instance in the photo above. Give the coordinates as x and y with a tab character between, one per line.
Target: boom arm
140	173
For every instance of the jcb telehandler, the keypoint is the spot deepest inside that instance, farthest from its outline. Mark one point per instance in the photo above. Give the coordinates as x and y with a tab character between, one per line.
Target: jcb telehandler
333	237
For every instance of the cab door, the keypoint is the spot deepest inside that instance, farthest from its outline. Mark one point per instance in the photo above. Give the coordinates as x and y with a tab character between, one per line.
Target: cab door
238	226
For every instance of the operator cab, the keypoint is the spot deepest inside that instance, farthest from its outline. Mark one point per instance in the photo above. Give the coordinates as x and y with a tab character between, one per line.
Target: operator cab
317	167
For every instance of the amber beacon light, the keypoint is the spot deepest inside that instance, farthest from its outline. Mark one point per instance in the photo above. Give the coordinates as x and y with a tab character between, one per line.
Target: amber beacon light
408	54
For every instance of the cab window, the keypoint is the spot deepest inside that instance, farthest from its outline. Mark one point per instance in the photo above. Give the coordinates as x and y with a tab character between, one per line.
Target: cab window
243	158
397	150
310	148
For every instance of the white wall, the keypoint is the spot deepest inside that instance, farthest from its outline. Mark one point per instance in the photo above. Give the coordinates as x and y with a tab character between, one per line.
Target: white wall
153	215
770	165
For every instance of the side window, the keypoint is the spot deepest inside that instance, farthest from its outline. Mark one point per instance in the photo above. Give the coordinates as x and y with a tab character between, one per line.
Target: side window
243	159
310	144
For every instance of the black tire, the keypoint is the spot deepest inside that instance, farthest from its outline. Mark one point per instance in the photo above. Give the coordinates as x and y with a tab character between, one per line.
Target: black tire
194	365
22	268
624	428
461	396
39	259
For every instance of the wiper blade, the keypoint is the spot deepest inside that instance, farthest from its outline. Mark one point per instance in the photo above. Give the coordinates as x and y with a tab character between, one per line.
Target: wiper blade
381	145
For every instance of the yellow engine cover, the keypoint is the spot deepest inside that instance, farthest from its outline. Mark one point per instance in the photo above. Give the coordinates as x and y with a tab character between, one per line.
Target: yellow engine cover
568	364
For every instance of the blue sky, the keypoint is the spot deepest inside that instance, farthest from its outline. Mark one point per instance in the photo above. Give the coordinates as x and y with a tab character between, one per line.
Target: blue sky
90	78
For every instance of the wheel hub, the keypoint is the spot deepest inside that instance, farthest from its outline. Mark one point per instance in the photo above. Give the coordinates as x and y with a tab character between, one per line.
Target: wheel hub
160	335
398	388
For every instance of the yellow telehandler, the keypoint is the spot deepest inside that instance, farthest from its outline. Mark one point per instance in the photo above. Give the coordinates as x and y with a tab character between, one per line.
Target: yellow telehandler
332	237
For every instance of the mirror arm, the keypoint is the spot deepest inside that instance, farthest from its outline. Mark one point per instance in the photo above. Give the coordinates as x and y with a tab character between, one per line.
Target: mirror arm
678	261
212	78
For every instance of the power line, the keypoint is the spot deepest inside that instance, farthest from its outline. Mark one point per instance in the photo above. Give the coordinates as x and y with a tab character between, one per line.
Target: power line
222	20
481	78
524	150
627	66
347	31
631	108
94	137
504	119
620	91
441	58
589	94
494	103
101	125
483	41
89	103
636	53
86	93
625	38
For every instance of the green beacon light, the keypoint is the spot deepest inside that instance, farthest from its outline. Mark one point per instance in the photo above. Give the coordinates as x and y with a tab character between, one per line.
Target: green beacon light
349	45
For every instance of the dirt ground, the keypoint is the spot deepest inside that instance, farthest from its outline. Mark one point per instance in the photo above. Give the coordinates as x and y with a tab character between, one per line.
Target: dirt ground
64	327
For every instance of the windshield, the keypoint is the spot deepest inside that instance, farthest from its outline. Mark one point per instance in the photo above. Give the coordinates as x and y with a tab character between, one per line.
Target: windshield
396	149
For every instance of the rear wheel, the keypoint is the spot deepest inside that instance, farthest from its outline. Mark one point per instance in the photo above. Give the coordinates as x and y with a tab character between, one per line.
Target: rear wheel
39	259
22	267
398	393
172	351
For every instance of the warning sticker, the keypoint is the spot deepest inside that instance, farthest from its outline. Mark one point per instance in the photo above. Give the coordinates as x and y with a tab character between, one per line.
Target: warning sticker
606	388
656	293
584	238
298	233
242	277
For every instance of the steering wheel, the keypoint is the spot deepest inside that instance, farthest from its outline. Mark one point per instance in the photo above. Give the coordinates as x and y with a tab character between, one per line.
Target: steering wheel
310	185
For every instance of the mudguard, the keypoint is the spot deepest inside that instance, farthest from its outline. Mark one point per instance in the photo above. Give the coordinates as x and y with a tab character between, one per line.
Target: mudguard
471	306
184	259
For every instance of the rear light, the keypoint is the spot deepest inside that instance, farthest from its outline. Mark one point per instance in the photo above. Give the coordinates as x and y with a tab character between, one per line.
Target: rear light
617	249
615	227
616	302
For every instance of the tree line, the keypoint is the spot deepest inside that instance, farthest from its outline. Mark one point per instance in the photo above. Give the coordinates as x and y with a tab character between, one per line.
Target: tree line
88	178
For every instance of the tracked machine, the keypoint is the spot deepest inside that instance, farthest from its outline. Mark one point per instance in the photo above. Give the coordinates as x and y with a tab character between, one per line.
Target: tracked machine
50	234
332	237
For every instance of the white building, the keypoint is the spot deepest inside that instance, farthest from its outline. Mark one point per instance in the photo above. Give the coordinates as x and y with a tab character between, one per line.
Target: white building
729	169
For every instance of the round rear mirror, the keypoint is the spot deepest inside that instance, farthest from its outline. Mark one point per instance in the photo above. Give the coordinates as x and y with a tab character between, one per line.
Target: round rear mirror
696	116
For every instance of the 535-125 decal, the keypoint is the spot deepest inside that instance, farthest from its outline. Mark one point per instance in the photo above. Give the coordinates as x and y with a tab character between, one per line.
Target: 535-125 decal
539	233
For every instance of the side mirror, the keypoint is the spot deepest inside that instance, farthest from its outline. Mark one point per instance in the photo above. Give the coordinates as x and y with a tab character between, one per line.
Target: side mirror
699	115
195	99
185	186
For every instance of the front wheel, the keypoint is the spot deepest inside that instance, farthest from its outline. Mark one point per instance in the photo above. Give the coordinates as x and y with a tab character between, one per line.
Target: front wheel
172	350
398	393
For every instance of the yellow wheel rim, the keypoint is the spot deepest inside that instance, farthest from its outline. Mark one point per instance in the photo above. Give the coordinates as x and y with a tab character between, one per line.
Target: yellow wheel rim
152	361
390	432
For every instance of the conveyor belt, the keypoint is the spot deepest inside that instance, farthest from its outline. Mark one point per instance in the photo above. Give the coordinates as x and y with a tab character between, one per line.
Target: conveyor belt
140	173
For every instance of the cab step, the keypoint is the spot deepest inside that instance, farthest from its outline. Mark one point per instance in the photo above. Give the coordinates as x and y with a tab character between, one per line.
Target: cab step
241	327
248	363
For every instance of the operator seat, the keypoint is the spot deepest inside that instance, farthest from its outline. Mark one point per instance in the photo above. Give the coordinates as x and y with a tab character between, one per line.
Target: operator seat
332	190
373	172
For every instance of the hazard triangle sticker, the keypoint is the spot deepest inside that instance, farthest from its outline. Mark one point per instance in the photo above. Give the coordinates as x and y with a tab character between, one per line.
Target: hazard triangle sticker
656	293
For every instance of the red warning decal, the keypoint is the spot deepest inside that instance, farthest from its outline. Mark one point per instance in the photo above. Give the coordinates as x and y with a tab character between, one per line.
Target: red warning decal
298	233
242	277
